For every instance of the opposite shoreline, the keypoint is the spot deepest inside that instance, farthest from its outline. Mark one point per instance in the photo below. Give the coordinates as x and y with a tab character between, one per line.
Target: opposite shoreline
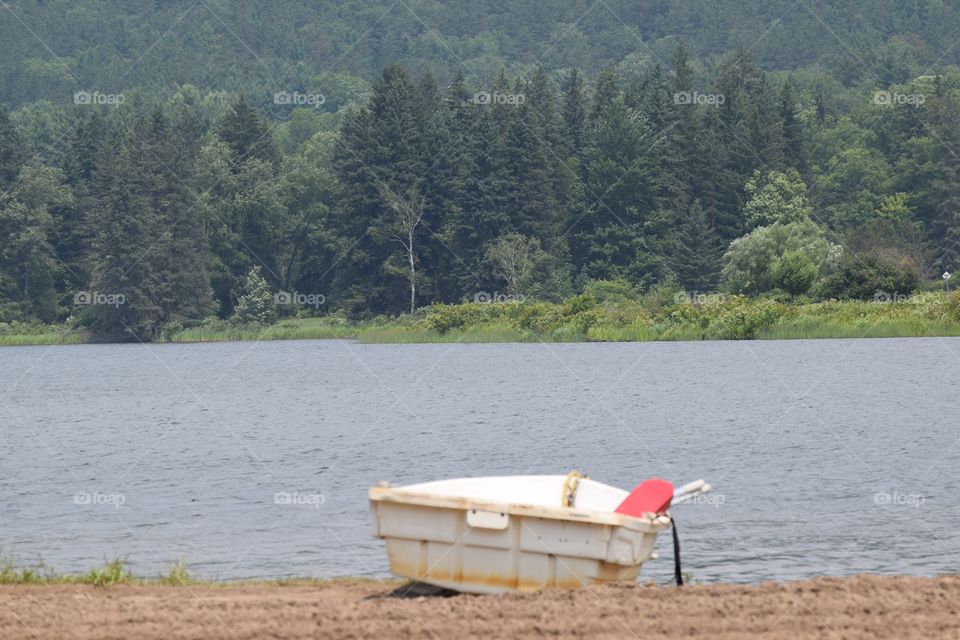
584	318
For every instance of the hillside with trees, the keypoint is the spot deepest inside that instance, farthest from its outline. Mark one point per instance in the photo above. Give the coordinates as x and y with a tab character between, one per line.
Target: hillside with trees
459	150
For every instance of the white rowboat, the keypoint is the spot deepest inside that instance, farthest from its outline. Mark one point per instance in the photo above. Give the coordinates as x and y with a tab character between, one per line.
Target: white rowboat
513	533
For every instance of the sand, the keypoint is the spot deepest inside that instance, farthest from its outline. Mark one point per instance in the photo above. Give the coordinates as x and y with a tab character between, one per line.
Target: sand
852	608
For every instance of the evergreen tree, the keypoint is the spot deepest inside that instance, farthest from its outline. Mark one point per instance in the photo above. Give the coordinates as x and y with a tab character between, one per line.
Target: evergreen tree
382	144
575	108
944	188
748	136
794	135
444	186
88	143
698	254
617	235
146	254
820	103
605	92
12	155
533	163
247	133
255	301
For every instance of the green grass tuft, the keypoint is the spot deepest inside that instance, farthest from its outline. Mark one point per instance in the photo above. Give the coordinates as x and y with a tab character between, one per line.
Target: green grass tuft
178	576
112	573
35	574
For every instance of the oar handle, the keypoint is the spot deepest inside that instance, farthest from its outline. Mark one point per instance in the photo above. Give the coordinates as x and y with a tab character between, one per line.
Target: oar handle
686	495
690	487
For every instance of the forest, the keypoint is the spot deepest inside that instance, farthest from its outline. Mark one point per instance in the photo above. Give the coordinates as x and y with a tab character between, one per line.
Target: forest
471	166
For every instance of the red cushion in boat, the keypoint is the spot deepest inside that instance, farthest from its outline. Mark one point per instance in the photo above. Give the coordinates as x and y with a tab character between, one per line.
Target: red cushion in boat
650	496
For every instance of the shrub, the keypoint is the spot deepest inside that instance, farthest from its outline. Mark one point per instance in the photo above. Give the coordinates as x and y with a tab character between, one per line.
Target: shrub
750	260
540	317
611	291
585	319
951	306
865	276
794	272
663	294
447	317
743	321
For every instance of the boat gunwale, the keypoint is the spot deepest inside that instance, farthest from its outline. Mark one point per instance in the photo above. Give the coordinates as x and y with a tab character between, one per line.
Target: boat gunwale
649	523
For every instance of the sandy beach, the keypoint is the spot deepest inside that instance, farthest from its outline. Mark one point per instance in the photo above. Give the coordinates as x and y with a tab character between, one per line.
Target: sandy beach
853	608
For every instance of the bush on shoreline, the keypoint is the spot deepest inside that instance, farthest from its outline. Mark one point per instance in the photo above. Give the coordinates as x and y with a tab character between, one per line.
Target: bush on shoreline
598	316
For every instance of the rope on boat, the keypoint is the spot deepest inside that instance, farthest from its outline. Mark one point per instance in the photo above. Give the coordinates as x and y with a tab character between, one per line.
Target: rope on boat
677	570
570	484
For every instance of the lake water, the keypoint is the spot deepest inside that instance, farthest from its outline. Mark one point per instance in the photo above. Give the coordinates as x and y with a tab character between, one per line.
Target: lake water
826	457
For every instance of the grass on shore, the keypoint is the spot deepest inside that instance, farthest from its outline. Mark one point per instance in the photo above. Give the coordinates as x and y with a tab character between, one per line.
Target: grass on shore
117	572
21	334
114	572
589	319
293	329
592	317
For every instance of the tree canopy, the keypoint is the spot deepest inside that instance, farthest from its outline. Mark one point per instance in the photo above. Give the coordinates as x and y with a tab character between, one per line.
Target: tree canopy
415	174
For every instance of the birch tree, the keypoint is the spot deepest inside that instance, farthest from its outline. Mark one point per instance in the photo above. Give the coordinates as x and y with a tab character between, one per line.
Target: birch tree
408	212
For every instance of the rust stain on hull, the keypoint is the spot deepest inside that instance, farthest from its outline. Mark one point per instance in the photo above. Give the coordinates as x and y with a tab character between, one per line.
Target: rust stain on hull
608	573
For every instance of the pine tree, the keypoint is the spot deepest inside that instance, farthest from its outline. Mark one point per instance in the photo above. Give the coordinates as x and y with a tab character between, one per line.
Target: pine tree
88	144
765	127
452	257
747	135
605	92
534	164
821	106
574	114
148	253
255	302
794	135
429	94
247	133
382	144
696	260
617	235
12	155
944	189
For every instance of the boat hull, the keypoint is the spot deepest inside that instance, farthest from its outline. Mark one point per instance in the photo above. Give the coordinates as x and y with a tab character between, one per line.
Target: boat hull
484	546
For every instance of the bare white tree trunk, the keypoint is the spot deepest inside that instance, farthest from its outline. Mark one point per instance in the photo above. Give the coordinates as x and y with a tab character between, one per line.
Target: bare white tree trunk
413	272
409	213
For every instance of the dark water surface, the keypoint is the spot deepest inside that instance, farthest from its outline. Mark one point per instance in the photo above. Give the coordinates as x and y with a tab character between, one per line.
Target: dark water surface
827	457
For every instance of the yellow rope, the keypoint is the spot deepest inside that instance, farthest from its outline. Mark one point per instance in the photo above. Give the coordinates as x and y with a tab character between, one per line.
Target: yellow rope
570	484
